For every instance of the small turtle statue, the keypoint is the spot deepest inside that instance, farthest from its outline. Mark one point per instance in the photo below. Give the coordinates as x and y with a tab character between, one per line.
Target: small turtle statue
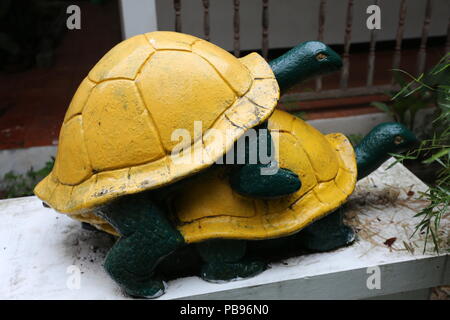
115	166
206	209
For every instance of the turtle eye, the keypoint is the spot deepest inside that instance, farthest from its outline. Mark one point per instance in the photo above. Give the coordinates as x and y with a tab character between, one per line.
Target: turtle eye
398	140
321	56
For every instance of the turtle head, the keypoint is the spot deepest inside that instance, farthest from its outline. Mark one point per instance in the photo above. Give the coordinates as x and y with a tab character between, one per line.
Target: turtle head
394	137
307	60
321	58
383	140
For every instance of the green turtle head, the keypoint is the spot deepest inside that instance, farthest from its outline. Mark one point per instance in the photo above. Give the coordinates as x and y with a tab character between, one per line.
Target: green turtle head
321	57
307	60
382	141
394	137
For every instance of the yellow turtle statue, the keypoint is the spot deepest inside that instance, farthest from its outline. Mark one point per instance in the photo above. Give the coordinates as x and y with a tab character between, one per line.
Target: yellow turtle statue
118	162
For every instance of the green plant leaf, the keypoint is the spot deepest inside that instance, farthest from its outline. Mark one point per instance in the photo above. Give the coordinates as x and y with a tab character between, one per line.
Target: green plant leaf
443	98
437	155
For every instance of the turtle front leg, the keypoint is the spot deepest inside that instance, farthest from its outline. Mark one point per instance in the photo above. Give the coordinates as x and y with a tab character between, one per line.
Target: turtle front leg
224	261
262	179
326	234
146	238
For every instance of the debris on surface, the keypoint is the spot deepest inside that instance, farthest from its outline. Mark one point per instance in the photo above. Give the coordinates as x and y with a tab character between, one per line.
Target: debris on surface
440	293
373	209
389	242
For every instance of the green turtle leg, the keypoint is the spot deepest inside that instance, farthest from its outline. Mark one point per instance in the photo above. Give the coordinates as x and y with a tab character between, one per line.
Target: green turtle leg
224	261
326	234
263	180
146	237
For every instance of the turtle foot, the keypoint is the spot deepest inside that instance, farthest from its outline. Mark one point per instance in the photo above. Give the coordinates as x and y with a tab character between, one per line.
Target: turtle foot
224	272
319	242
149	289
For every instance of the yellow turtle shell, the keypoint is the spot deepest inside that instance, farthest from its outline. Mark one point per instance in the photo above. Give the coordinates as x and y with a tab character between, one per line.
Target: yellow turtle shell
117	135
207	208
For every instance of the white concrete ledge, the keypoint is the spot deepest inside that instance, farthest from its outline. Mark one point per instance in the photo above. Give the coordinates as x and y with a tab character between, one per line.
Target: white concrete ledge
38	245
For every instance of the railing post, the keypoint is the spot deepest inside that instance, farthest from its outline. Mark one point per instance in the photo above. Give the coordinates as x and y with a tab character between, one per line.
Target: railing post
206	28
236	26
177	6
447	43
265	29
371	60
347	42
320	36
421	58
399	37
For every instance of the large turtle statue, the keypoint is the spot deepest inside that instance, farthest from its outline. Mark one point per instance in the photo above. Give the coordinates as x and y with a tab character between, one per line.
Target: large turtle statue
116	165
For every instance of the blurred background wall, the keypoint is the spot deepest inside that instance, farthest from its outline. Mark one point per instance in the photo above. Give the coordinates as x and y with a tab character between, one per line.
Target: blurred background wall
290	21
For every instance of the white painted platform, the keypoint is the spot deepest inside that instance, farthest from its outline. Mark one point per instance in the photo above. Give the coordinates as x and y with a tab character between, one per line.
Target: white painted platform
37	246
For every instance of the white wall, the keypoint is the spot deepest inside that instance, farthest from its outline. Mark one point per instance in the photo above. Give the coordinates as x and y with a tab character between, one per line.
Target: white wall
137	16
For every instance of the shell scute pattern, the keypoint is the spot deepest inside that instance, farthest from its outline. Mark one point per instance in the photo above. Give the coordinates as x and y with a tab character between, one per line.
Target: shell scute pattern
121	118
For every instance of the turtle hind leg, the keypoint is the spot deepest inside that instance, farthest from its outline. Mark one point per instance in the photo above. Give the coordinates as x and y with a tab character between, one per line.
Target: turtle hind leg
146	238
326	234
224	261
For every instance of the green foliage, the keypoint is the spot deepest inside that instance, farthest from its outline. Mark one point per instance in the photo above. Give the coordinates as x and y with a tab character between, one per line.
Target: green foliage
415	93
22	185
435	149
